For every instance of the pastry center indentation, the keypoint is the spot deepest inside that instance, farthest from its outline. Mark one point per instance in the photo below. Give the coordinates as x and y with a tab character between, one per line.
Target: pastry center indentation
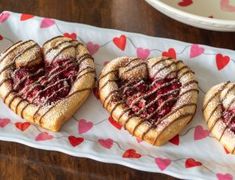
45	83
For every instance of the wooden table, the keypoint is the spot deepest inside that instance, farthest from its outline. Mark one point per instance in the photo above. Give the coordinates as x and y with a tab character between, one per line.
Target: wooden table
22	162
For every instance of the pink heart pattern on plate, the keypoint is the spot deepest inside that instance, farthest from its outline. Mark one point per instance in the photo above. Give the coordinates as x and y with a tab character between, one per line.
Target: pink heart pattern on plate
43	136
196	50
200	133
142	53
92	47
106	143
162	163
4	16
47	22
4	122
84	126
226	176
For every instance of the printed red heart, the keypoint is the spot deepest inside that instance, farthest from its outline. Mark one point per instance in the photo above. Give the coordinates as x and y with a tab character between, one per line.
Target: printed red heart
131	153
175	140
114	123
22	125
1	37
189	163
25	17
96	92
170	53
71	35
4	122
222	61
75	141
120	42
185	3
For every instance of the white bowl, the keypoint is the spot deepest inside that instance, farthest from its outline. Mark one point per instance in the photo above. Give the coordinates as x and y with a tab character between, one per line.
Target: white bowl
216	15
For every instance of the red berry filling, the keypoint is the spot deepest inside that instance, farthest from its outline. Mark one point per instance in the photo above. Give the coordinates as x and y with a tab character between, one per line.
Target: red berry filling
228	118
150	99
45	83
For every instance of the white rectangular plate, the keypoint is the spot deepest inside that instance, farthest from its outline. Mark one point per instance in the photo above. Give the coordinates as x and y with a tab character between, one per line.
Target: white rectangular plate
194	154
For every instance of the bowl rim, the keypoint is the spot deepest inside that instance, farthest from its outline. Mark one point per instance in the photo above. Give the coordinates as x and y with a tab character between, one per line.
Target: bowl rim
190	15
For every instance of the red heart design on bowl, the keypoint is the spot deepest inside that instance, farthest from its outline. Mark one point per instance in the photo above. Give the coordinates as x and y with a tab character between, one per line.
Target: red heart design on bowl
185	3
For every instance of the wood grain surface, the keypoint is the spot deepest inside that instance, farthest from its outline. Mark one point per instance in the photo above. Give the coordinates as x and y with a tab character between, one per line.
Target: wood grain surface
22	162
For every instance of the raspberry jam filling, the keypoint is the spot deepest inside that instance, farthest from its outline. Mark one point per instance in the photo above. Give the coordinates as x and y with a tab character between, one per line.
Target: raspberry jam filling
45	83
228	118
150	99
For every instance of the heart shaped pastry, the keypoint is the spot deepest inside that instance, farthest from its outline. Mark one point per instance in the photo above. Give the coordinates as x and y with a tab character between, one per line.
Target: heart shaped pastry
153	99
46	85
219	113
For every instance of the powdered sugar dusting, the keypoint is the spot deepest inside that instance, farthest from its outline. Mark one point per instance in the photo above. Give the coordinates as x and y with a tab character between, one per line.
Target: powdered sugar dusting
133	68
163	74
50	81
59	48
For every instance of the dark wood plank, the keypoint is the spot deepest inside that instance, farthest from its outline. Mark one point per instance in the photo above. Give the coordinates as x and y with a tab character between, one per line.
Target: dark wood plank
22	162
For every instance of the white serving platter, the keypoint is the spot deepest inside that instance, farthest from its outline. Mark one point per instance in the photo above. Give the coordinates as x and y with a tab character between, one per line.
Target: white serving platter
194	154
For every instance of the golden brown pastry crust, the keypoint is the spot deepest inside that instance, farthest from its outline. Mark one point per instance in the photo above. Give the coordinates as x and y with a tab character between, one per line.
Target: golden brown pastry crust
218	97
182	112
53	116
